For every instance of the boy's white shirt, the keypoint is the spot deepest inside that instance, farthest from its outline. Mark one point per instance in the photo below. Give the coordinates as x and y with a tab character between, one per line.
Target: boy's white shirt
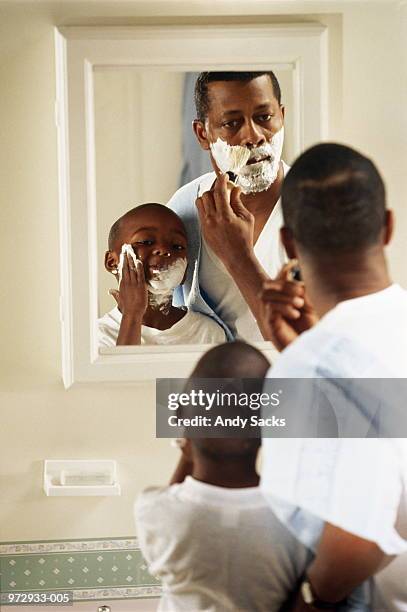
193	328
217	549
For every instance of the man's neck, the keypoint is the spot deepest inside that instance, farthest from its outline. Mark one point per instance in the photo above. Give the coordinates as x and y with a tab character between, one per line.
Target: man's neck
264	201
328	284
233	476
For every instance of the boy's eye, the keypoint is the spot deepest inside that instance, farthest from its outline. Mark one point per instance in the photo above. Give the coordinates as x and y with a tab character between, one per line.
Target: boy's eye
231	124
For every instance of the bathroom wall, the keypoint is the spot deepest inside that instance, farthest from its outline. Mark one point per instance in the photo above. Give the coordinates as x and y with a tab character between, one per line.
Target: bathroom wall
38	418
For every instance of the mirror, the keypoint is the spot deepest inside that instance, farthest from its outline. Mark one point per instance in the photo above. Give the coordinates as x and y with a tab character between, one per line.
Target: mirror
124	112
140	147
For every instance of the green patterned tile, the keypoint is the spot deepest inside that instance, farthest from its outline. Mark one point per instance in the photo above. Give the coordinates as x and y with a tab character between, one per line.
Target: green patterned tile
92	569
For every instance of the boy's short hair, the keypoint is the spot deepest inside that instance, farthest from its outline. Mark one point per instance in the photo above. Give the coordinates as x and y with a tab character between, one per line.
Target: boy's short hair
202	103
230	368
114	231
333	200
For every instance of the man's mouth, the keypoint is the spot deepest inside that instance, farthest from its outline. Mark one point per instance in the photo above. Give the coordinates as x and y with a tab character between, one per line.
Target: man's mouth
255	160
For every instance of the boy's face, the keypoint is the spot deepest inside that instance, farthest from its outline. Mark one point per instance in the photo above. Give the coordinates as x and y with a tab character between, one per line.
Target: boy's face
157	236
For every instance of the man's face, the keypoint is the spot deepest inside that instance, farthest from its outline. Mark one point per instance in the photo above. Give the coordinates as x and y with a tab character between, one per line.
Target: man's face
157	236
243	113
246	114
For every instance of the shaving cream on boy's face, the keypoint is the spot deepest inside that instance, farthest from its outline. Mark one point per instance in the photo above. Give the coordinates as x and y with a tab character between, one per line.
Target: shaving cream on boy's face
163	281
253	177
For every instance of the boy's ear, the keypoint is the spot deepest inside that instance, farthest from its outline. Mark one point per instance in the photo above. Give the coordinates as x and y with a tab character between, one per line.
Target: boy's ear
111	261
186	449
288	241
200	133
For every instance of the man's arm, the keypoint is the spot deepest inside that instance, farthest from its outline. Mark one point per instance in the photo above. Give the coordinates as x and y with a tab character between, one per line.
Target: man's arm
343	562
228	228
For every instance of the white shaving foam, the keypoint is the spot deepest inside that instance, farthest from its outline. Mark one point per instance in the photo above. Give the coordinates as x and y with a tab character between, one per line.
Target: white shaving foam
229	158
163	283
254	177
127	249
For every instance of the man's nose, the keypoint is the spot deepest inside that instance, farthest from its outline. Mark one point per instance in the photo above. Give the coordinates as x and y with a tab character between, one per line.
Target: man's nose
251	135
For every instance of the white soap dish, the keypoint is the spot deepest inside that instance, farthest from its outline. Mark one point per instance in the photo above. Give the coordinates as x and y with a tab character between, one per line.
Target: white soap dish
80	477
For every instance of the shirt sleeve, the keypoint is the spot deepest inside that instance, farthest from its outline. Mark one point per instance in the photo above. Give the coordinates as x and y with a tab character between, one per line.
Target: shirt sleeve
355	484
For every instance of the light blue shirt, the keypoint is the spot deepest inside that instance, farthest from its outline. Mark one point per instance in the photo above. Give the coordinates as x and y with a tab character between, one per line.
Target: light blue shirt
190	293
349	482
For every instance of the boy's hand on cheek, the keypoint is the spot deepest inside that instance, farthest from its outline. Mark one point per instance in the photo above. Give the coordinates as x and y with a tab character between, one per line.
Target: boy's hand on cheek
227	226
132	296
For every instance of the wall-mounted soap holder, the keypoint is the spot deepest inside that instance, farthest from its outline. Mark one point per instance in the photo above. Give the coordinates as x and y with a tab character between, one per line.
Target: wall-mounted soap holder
80	477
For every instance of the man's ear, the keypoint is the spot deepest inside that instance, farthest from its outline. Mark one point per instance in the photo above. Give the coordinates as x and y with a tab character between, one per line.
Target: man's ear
288	241
200	133
111	261
388	227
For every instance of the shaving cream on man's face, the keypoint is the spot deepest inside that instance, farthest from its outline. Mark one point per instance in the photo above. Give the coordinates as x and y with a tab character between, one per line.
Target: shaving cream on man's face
253	177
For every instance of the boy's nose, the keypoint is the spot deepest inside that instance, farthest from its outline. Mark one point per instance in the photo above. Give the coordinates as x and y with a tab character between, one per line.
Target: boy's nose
162	251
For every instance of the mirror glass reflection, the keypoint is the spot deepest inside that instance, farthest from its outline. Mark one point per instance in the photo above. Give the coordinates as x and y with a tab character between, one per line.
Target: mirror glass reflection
146	150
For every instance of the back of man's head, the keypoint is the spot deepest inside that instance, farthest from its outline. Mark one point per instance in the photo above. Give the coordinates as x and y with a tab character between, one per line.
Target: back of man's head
233	371
333	201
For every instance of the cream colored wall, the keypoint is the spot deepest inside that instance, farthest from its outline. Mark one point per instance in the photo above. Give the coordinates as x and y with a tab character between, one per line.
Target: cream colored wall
138	143
38	418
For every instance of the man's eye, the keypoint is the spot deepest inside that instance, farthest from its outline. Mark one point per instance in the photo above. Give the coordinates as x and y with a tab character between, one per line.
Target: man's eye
264	117
178	247
145	242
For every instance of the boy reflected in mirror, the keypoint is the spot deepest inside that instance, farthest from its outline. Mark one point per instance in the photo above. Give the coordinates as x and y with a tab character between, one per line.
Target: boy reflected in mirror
148	254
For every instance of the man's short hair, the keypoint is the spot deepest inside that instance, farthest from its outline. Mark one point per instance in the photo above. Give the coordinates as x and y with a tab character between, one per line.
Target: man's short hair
202	103
333	200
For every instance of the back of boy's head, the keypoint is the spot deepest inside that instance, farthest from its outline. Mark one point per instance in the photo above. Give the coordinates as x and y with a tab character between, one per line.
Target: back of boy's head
114	232
333	200
230	368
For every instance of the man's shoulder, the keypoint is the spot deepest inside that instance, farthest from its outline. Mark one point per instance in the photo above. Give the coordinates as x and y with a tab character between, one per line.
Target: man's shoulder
184	198
300	359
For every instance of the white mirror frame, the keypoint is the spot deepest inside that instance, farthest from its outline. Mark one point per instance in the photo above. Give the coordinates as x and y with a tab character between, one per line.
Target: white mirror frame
301	48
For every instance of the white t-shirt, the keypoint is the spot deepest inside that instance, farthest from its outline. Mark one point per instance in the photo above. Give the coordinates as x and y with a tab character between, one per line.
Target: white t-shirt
357	484
220	287
193	328
217	549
